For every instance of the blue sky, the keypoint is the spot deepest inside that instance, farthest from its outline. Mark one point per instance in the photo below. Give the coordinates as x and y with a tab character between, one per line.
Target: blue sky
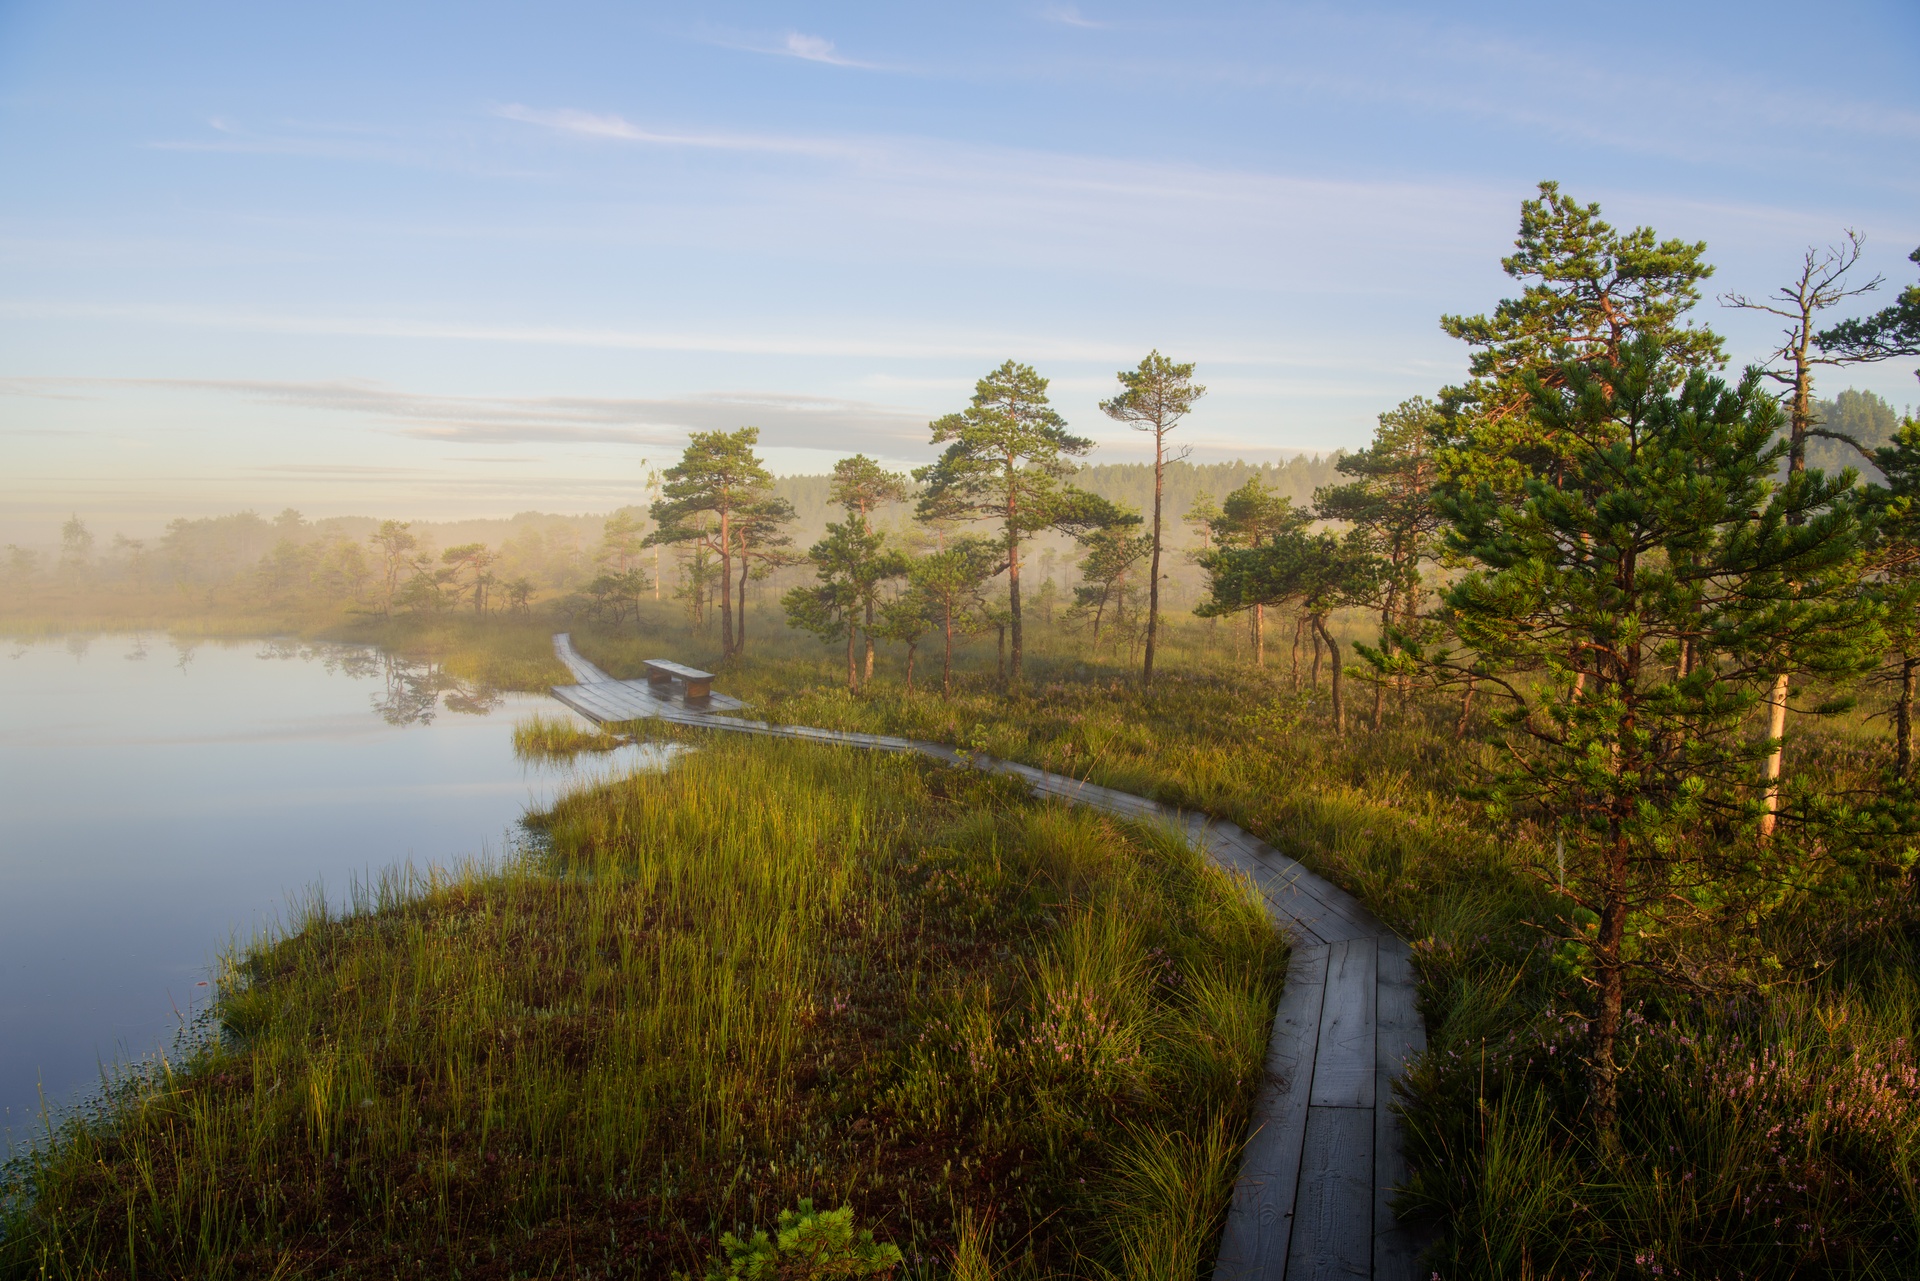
472	259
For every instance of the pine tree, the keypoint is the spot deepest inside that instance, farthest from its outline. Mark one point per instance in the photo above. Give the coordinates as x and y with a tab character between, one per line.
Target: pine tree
1252	516
1112	555
1007	459
1392	502
1889	333
760	533
1895	585
861	486
1156	396
1591	289
717	478
951	581
851	563
1321	571
1664	532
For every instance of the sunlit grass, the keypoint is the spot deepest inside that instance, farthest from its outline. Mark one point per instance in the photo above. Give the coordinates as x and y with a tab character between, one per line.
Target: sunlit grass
775	971
1775	1135
559	738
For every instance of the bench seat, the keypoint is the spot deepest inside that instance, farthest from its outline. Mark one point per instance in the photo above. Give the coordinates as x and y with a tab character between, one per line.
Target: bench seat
664	671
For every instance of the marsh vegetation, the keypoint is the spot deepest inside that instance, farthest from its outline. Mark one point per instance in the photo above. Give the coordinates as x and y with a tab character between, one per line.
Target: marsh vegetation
989	1025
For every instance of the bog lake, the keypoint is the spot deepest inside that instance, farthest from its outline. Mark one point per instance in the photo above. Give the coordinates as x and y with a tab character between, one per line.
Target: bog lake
161	802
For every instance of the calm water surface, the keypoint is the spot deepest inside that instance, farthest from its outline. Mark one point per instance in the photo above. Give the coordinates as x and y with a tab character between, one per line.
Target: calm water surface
159	802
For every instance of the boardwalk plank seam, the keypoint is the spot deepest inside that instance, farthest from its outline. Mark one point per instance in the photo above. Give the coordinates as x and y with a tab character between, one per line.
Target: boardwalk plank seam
1325	1149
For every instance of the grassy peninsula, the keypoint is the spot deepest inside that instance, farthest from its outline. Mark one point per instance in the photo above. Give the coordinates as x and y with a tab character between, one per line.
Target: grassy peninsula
1008	1034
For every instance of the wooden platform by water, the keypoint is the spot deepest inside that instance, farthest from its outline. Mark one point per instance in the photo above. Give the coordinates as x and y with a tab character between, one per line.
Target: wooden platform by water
1313	1199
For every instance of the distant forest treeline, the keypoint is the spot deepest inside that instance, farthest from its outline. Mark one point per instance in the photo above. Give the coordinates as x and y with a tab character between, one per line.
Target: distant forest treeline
287	559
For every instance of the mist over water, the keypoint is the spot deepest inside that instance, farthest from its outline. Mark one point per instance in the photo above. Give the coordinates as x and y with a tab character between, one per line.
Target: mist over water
160	802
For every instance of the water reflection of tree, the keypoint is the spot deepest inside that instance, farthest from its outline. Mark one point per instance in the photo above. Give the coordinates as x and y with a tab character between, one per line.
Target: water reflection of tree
355	661
412	693
413	688
473	700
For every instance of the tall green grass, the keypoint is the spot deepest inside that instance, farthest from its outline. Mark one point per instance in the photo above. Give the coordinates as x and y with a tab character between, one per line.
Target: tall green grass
1775	1133
559	738
1015	1038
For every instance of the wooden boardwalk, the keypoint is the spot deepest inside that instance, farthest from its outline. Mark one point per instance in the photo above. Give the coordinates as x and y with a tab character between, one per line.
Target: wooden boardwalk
1312	1202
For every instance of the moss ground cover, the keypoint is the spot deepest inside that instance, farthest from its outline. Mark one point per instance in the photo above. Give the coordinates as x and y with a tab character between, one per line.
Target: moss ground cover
1007	1034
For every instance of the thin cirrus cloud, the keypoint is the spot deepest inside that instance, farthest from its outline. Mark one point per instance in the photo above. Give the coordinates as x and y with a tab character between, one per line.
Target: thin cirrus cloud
960	200
784	418
932	345
1068	15
590	124
800	45
817	49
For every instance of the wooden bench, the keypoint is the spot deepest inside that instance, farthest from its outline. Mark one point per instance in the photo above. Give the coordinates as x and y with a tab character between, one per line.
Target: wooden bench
664	671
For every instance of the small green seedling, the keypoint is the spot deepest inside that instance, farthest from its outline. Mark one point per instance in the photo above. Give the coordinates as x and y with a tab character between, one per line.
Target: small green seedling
810	1245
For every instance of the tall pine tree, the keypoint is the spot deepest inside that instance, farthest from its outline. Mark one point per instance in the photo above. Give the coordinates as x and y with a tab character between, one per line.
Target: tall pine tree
1007	460
1154	398
1664	533
703	497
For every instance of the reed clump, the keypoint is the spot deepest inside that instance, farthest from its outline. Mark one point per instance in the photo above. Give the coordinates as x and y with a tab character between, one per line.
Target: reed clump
559	738
777	971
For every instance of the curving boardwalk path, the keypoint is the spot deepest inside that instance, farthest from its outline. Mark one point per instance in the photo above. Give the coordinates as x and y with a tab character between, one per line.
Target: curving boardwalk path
1325	1153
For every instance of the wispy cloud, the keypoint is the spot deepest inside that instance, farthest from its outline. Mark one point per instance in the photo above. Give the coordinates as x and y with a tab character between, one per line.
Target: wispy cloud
794	44
591	124
812	342
338	142
1068	15
817	49
785	418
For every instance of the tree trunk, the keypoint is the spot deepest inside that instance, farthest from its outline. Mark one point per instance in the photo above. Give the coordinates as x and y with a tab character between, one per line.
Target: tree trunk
853	672
912	648
740	618
1313	634
1613	983
1903	716
1776	730
1013	593
1299	623
1466	709
868	633
946	661
1153	584
1259	635
1799	424
1333	654
726	586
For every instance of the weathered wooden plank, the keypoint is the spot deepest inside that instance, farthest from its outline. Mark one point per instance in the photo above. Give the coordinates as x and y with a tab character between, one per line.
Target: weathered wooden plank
1362	923
1333	1214
1343	1073
1402	1037
583	671
587	700
1260	1220
566	695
